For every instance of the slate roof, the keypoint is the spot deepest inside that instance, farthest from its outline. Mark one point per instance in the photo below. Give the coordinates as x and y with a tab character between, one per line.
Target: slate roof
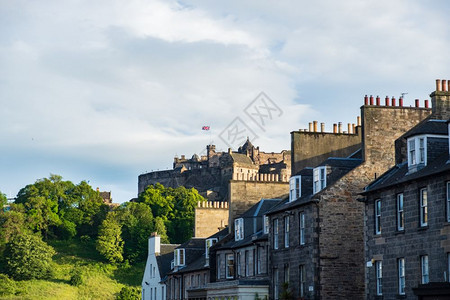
341	162
399	174
305	172
164	262
196	265
260	208
233	244
193	243
242	159
430	126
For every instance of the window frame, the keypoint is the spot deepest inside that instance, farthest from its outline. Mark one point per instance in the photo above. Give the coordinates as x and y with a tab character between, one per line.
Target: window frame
208	244
319	179
229	268
423	207
238	229
379	277
377	213
424	269
448	202
266	223
302	227
275	234
302	279
179	257
286	231
247	263
276	281
295	190
401	275
400	214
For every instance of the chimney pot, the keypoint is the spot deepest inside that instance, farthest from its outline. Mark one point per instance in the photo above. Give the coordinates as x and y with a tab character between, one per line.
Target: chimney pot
358	121
340	127
322	127
310	126
334	128
444	85
353	128
366	100
438	85
349	128
378	101
371	100
417	102
393	101
400	101
315	126
386	101
426	103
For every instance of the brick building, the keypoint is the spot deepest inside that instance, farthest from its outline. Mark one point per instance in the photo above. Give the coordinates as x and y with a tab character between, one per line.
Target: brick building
316	239
407	209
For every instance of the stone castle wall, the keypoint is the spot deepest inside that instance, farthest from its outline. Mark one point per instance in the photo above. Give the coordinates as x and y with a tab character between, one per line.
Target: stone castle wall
210	217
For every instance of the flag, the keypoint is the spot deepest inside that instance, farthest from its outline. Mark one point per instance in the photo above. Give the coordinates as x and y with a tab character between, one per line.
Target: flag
205	128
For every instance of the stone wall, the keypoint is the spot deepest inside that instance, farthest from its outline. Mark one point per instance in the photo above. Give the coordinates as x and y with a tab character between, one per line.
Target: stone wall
244	194
210	217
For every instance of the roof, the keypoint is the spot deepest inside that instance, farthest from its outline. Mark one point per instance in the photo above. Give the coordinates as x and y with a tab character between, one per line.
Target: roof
167	248
260	208
305	172
220	234
285	204
341	162
428	126
198	264
232	244
193	243
241	159
399	174
164	263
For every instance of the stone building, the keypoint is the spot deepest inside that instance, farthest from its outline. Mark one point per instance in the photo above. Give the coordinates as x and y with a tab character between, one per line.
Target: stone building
239	262
316	238
407	213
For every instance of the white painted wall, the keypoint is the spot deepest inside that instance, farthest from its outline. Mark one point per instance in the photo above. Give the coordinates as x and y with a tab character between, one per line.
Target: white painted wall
151	279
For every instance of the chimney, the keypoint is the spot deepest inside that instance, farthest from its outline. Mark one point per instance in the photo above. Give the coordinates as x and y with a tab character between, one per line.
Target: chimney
393	101
378	101
366	100
315	126
353	128
349	128
358	121
230	151
400	101
386	101
340	127
334	128
440	101
310	127
371	100
322	127
154	244
426	103
417	103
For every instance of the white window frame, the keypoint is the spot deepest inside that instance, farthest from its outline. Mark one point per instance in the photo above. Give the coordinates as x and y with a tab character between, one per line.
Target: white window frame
301	220
319	179
448	203
379	276
179	257
275	234
425	271
276	281
377	211
266	223
238	229
423	207
208	244
401	276
229	264
400	212
238	264
286	231
295	187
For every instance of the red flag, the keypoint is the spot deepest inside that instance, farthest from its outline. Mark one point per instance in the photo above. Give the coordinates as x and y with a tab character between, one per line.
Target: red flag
205	128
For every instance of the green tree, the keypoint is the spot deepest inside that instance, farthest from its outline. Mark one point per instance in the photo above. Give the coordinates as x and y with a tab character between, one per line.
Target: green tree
109	241
28	257
12	224
129	293
3	201
160	228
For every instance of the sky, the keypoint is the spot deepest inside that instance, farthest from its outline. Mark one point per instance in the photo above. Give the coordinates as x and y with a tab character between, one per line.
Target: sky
104	91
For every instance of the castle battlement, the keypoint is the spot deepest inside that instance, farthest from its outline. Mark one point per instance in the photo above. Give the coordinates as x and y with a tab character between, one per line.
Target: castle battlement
212	204
262	177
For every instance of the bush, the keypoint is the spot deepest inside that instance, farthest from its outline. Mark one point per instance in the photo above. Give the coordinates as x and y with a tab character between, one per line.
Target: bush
28	257
7	286
66	230
129	293
76	278
85	239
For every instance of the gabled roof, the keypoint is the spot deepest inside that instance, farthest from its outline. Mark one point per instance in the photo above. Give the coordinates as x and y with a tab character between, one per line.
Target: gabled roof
164	263
260	208
305	172
341	162
428	126
233	244
242	159
196	265
399	174
193	243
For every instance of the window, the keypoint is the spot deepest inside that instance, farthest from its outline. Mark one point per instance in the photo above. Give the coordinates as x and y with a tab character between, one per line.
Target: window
423	207
238	229
421	150
154	272
179	257
247	263
319	179
275	284
198	280
301	218
230	266
259	262
286	273
151	270
400	215
192	280
417	151
401	276
238	264
275	234
208	244
286	232
302	277
448	203
424	269
266	224
412	152
379	276
378	216
294	188
448	267
151	293
254	261
218	266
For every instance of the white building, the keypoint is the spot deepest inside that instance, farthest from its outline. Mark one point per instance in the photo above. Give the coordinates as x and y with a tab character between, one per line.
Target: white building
158	265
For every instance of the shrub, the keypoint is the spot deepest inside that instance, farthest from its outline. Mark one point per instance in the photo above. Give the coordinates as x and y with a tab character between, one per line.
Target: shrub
129	293
85	239
28	257
76	278
7	286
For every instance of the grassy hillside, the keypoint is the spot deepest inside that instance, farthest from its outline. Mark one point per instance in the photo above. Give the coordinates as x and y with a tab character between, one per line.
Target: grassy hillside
101	280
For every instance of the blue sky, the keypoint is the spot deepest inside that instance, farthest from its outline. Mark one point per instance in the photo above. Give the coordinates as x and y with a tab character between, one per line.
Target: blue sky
106	90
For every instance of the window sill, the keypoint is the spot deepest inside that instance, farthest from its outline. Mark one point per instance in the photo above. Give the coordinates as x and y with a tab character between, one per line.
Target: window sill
422	228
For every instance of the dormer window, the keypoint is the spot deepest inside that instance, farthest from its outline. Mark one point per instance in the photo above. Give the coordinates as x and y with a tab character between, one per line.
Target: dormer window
417	151
208	244
266	224
319	179
178	257
239	229
294	188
